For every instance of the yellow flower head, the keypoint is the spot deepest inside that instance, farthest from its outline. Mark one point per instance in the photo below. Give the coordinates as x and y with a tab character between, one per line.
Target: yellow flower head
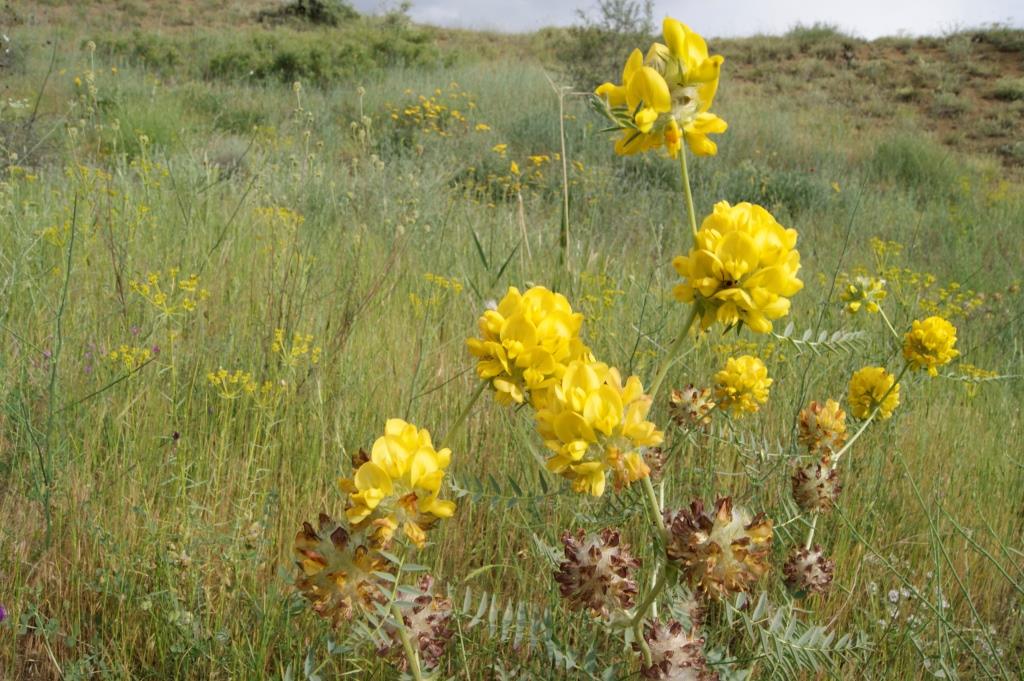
692	77
526	342
742	386
873	387
929	344
822	427
665	98
399	485
741	269
863	292
595	425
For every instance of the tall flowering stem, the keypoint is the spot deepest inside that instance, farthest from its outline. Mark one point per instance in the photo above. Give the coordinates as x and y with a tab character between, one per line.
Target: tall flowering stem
670	356
690	212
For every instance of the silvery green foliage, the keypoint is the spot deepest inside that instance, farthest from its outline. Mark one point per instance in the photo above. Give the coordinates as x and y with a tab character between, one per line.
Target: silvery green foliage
823	343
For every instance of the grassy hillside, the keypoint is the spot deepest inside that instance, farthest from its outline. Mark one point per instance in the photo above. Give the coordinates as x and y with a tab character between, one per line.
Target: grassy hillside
174	194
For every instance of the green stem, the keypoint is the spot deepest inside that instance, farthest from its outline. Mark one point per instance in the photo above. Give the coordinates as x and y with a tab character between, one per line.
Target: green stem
810	533
654	506
871	416
460	420
638	634
659	586
410	653
887	322
670	356
686	191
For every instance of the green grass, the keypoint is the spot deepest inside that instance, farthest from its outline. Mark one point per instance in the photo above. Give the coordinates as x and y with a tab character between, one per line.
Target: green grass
149	521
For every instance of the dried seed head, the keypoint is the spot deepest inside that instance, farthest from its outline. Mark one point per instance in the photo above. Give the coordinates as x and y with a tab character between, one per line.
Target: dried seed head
597	572
809	571
816	486
656	458
427	622
335	575
676	654
822	427
691	407
719	553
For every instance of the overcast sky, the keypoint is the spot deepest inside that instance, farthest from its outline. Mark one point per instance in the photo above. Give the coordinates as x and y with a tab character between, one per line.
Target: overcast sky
864	18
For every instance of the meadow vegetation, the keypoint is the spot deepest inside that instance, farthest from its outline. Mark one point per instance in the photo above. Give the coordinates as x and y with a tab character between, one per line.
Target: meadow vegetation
228	257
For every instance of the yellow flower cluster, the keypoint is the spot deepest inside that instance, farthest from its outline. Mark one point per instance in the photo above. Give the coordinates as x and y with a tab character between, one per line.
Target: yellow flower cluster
526	342
871	388
929	344
594	425
742	386
863	292
665	97
180	296
399	485
301	347
441	113
231	385
741	269
131	357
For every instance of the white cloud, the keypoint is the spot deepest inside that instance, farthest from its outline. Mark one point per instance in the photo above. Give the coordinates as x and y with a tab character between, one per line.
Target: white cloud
866	18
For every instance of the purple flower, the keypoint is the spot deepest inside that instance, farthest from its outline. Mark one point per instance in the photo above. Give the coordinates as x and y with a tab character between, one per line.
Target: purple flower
3	613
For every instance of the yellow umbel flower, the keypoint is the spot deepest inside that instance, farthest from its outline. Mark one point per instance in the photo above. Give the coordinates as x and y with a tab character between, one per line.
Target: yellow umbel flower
525	342
863	292
742	386
595	425
873	387
929	344
741	269
399	485
692	77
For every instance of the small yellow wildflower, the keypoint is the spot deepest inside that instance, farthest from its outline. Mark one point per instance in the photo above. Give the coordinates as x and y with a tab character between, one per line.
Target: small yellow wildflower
500	149
399	485
929	344
871	388
742	386
741	269
482	127
863	292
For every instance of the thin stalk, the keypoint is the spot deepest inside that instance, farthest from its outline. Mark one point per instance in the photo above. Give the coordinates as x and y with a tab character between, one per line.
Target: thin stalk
638	634
690	213
648	601
460	420
810	533
673	352
888	323
410	653
652	503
